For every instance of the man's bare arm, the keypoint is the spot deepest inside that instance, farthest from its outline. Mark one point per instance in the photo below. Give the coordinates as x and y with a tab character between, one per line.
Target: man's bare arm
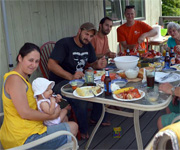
58	70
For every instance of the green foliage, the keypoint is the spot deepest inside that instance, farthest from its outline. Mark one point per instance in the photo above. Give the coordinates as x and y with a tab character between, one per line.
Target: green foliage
170	7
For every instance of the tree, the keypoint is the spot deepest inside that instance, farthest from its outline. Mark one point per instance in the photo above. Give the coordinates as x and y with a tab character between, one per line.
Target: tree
170	7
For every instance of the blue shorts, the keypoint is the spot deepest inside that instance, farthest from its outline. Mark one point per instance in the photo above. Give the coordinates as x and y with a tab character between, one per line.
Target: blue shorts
168	118
52	144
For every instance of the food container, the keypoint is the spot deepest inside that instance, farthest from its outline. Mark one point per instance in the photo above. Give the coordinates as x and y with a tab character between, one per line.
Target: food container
76	83
119	82
152	96
126	62
132	73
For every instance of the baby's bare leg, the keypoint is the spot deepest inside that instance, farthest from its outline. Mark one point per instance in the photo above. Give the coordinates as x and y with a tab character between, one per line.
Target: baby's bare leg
63	115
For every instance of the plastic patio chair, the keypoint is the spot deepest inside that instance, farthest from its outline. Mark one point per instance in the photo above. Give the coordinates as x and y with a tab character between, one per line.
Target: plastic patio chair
70	145
166	138
46	50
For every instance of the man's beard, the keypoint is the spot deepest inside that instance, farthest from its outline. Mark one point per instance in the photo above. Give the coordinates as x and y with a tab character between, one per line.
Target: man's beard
104	32
81	41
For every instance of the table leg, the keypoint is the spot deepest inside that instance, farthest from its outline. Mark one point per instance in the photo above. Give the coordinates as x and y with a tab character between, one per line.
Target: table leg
96	127
137	130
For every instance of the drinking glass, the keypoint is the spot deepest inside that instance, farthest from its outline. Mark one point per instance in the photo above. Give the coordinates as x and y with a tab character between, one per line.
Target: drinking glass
89	76
150	75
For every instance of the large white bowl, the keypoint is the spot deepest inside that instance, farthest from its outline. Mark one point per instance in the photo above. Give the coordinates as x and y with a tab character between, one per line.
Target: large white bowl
126	62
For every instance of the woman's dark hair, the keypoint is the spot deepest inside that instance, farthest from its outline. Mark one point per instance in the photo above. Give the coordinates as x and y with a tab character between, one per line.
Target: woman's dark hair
26	49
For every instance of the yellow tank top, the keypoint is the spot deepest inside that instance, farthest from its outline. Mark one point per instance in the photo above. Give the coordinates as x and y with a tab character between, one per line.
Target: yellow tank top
15	130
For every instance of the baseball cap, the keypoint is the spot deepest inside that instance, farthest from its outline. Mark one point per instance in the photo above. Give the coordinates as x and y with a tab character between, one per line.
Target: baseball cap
88	26
39	85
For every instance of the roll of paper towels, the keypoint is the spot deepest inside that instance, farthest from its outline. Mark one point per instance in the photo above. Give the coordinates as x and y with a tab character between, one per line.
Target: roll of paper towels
158	37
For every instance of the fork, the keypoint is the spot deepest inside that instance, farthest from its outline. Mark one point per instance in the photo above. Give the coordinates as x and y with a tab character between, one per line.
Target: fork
91	91
167	76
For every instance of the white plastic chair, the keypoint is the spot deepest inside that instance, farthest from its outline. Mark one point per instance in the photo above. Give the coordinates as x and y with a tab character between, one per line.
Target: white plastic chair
73	145
166	139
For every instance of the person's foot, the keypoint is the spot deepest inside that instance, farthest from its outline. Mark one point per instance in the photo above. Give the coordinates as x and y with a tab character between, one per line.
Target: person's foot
105	123
84	136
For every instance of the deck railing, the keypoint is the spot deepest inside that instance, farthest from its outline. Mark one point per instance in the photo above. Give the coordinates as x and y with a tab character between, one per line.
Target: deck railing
168	18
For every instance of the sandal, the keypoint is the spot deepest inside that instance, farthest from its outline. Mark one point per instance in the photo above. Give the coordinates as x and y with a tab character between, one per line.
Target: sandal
106	123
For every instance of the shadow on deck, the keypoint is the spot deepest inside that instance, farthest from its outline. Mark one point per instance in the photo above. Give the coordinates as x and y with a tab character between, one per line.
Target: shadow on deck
104	139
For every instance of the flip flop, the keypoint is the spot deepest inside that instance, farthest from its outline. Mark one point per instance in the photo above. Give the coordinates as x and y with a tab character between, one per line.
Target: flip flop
106	123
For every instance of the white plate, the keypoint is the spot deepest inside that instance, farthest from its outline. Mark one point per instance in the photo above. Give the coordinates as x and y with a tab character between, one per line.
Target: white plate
174	77
90	96
130	100
177	66
98	75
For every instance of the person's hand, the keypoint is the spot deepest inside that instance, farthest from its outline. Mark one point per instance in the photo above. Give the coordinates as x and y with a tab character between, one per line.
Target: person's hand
141	39
53	100
166	87
68	107
78	75
111	54
58	98
177	49
102	63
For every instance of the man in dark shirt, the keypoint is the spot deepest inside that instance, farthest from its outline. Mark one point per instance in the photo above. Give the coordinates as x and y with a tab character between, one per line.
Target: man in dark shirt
67	62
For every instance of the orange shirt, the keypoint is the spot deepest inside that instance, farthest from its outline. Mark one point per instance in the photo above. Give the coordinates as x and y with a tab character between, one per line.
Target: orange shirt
131	34
100	44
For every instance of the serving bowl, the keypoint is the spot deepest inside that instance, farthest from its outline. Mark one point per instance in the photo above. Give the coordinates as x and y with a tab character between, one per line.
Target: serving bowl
126	62
132	73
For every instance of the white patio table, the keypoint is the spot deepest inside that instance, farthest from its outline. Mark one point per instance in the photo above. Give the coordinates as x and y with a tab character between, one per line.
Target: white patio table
137	106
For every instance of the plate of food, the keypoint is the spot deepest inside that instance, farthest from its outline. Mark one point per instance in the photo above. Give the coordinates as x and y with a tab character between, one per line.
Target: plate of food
177	66
98	74
128	94
88	91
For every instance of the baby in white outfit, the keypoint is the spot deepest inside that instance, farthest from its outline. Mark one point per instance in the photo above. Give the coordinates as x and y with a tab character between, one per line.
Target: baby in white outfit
46	102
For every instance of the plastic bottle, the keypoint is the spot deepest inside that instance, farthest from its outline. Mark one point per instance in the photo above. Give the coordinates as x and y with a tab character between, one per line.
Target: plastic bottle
107	83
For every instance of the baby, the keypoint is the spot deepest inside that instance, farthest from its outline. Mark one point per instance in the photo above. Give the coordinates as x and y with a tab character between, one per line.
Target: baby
46	102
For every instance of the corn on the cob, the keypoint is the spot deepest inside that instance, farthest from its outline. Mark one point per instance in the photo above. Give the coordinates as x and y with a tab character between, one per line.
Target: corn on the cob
123	90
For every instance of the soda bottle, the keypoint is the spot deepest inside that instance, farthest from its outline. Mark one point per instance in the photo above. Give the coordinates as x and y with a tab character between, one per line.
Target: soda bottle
172	57
167	60
127	52
107	83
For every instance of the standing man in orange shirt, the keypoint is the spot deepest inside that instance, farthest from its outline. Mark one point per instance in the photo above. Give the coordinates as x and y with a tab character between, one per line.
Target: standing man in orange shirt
100	40
133	32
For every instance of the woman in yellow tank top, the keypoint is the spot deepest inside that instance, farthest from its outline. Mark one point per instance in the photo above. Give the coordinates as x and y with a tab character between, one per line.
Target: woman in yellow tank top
22	122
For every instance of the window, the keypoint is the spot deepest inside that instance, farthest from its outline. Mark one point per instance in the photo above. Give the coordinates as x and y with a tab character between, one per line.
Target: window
115	9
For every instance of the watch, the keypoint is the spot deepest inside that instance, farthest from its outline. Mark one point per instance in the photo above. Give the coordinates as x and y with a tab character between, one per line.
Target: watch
172	90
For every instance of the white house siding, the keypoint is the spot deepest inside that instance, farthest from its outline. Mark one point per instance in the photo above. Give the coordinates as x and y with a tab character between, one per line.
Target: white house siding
39	21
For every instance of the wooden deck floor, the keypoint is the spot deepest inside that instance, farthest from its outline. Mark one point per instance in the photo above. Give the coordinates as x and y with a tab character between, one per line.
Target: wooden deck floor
104	136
